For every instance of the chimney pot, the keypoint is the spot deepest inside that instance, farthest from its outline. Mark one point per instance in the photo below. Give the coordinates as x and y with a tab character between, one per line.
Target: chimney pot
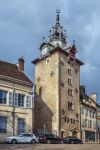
21	64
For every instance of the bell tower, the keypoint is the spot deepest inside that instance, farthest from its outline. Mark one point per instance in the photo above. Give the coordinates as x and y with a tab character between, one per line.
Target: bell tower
57	80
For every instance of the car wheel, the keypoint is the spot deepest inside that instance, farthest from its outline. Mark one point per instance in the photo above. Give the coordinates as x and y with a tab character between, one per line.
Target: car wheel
14	141
33	141
48	141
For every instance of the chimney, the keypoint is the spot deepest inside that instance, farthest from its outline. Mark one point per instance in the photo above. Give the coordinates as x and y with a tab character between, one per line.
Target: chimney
20	64
93	96
82	91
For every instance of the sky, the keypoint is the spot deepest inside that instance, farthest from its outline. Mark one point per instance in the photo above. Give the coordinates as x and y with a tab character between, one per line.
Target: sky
23	23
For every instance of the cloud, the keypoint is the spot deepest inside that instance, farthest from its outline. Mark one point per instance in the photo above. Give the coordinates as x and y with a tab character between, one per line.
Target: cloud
23	23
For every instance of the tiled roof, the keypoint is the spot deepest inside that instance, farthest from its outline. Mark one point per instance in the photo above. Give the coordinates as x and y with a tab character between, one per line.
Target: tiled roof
11	70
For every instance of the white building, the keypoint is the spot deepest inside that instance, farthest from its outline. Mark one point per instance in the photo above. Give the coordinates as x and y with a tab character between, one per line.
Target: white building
88	116
98	122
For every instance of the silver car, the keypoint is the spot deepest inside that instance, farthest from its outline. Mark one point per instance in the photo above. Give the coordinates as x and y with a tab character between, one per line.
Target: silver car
23	138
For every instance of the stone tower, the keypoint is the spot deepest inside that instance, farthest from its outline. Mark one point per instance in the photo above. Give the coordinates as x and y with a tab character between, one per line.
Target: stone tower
57	80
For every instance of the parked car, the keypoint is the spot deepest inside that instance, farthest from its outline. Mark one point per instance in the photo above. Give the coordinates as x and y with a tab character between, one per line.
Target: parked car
49	138
72	140
23	138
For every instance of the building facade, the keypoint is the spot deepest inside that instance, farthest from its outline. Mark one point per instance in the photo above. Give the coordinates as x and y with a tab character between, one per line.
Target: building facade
88	116
98	122
57	80
15	99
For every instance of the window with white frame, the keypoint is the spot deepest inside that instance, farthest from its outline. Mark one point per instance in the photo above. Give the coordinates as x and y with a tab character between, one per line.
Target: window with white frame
10	98
28	101
86	112
82	123
3	97
90	113
21	100
82	110
94	124
3	124
86	123
90	123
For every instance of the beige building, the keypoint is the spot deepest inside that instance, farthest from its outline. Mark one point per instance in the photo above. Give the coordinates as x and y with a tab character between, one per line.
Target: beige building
15	99
57	80
98	122
88	116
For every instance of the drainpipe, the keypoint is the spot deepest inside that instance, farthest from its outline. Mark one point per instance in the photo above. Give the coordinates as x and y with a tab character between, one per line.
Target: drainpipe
13	111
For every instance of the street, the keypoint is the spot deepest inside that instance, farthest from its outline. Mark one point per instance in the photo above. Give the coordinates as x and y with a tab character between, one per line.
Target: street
50	147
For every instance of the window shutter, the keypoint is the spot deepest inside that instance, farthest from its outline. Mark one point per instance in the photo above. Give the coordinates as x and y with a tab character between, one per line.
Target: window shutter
10	98
16	99
28	101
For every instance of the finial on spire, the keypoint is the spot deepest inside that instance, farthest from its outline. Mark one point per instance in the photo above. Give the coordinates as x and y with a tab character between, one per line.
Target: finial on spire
57	17
74	42
43	39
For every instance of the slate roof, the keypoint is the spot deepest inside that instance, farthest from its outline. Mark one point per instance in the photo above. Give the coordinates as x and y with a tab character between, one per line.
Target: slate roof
11	70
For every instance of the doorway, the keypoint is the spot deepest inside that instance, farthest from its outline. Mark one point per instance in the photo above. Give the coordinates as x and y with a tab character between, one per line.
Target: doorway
74	133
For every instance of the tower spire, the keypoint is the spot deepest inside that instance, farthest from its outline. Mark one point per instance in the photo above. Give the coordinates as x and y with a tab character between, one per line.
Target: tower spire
57	34
57	16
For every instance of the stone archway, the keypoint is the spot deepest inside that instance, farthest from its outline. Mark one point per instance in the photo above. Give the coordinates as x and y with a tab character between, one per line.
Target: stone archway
62	133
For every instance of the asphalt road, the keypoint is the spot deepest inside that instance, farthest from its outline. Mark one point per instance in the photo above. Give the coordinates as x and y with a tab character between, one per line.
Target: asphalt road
50	147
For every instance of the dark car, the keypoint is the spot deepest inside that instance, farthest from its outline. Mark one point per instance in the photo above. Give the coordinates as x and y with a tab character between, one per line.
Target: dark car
72	140
49	138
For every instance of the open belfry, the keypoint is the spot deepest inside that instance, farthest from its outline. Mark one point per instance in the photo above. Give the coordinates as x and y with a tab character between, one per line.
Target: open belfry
57	81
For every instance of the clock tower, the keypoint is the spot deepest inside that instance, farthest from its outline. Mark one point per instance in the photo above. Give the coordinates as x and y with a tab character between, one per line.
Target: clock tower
56	86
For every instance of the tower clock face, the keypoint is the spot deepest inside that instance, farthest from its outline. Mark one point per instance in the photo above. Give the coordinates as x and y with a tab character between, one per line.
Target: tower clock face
44	51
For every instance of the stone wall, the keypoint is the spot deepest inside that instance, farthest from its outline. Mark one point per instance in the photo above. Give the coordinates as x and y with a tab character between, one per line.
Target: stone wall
51	94
73	113
46	94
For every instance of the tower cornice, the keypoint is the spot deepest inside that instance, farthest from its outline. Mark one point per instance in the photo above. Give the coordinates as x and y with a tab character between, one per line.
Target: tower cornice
57	49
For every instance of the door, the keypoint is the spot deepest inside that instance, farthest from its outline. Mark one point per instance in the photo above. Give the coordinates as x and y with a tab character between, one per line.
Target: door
74	133
21	125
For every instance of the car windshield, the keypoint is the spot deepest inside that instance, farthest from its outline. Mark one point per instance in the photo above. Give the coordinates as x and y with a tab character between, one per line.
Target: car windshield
28	135
21	135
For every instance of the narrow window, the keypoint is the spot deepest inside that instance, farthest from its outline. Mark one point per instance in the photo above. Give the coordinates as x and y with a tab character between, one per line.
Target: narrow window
69	105
28	101
69	81
65	119
71	120
74	121
69	71
21	100
10	98
3	124
69	92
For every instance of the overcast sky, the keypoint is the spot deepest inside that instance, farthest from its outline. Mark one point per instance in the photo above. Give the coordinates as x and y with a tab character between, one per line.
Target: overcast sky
23	23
